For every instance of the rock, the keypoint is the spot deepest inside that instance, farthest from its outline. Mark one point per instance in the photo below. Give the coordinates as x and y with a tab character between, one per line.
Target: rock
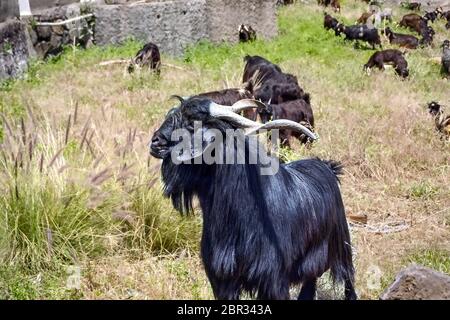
418	283
44	33
15	49
33	36
59	30
42	49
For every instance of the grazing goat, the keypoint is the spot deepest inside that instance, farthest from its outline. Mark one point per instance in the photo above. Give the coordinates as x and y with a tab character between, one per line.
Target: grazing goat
360	32
299	111
335	4
431	16
329	22
268	83
441	119
414	22
246	33
445	59
389	56
402	40
446	15
427	36
411	5
261	233
228	97
148	57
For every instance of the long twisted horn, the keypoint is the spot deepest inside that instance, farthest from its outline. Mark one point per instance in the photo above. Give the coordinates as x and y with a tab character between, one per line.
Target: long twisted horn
221	112
283	124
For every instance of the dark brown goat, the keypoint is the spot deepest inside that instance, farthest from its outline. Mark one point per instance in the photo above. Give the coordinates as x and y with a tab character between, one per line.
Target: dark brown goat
246	33
296	110
335	4
389	56
147	57
414	22
402	40
329	22
228	97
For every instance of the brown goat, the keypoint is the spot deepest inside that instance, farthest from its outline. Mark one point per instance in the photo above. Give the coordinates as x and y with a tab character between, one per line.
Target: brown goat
402	40
228	97
296	110
389	56
414	22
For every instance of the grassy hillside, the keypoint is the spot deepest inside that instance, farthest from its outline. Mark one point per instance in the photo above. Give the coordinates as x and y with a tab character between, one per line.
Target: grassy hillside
79	189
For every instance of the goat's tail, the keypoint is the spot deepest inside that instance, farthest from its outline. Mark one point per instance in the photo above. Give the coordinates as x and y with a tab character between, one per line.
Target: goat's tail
340	254
335	166
340	249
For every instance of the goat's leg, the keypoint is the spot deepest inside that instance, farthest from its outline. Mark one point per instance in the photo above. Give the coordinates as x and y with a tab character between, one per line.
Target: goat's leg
308	290
350	293
275	290
225	290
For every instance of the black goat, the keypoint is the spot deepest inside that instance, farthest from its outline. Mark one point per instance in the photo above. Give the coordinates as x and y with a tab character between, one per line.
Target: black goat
261	233
445	59
148	57
268	83
402	40
360	32
389	56
246	33
427	36
297	110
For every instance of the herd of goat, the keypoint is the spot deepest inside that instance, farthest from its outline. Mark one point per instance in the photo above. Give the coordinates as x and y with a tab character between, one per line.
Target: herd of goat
292	227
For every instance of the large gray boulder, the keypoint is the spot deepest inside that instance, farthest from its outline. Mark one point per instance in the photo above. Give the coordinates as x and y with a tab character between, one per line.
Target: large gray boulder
418	283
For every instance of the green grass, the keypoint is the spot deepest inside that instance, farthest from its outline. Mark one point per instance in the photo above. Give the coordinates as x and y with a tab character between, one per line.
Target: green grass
437	259
56	218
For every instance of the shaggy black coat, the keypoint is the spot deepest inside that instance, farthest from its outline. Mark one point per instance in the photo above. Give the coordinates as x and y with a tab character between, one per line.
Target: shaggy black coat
261	233
360	32
268	83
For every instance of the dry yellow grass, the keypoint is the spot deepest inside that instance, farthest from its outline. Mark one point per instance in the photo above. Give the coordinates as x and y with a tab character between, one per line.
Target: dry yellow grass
397	170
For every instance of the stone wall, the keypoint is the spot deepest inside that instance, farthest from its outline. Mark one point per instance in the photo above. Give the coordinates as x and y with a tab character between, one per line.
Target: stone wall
8	9
173	25
224	17
15	49
49	40
47	4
